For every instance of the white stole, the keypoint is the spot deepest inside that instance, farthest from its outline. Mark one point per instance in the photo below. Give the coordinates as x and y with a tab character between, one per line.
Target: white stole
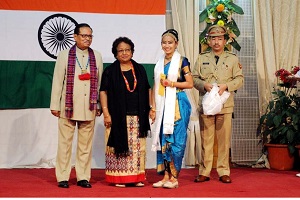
165	105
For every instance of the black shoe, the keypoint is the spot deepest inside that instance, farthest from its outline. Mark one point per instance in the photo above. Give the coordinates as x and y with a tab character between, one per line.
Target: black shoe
225	179
84	184
201	178
63	184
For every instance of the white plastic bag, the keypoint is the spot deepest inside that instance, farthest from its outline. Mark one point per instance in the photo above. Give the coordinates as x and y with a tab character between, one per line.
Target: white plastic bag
212	102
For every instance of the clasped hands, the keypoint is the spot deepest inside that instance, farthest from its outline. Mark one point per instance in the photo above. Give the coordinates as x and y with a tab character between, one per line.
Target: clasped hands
222	87
165	82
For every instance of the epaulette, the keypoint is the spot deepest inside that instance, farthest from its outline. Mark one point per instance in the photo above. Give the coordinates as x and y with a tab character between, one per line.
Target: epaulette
205	52
231	53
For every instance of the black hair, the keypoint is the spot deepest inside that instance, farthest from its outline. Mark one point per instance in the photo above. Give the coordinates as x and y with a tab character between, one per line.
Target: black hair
118	41
173	32
78	26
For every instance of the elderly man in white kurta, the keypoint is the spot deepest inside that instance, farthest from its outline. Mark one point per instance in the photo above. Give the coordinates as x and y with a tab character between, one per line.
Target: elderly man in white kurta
74	100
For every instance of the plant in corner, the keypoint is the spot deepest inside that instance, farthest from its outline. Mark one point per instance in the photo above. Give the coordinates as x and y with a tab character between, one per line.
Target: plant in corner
280	124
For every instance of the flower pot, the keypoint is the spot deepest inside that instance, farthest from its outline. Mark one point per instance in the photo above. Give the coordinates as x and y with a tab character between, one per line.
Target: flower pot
279	157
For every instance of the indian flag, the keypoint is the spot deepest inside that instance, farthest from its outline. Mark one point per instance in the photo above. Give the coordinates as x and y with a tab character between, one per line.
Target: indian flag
32	34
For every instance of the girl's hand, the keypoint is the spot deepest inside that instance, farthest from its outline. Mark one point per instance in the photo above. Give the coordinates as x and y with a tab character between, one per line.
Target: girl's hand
152	114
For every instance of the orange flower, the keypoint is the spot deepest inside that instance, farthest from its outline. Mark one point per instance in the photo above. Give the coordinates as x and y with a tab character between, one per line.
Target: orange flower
220	7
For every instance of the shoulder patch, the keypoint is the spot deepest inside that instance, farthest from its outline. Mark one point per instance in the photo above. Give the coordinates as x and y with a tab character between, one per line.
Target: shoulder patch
240	65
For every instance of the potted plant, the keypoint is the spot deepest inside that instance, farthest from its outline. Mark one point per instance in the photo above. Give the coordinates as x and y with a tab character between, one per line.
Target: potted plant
280	125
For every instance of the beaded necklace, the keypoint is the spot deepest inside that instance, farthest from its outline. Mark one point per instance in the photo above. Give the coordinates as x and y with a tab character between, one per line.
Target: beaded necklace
83	71
126	82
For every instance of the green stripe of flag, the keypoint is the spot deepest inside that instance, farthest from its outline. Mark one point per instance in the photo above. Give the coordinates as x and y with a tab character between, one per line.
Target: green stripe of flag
27	84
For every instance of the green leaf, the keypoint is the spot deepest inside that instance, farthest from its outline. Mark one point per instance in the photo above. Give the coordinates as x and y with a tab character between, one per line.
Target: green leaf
280	93
270	121
277	120
237	9
234	28
290	136
284	130
203	15
202	35
271	105
291	149
262	119
235	45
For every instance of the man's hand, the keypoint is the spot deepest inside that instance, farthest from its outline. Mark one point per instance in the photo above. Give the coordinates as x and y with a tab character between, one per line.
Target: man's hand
208	87
222	88
56	113
98	112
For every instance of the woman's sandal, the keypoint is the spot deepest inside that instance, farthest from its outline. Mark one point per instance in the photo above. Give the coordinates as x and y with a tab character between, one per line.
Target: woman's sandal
140	184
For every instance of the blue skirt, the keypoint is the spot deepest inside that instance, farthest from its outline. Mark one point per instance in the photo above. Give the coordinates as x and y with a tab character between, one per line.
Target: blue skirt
173	145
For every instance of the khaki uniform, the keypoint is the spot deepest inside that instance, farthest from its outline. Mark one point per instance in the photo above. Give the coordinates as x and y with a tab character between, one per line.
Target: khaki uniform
229	71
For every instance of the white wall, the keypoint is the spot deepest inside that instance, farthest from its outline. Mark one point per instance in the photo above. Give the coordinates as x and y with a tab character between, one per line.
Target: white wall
29	140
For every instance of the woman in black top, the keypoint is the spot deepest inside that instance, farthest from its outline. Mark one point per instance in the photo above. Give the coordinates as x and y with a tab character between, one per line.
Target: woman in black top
124	96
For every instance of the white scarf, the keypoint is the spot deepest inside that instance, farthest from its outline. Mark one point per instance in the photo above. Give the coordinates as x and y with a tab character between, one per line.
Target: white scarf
165	105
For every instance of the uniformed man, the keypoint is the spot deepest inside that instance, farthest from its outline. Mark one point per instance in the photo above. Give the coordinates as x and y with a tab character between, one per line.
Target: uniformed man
221	67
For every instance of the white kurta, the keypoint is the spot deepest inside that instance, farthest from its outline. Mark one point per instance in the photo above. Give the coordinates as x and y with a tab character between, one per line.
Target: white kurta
81	92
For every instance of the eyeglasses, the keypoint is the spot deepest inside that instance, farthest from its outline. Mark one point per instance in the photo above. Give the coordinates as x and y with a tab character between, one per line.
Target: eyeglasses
85	36
124	51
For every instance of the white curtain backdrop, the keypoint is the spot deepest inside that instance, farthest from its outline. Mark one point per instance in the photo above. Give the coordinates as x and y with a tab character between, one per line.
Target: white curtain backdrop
277	32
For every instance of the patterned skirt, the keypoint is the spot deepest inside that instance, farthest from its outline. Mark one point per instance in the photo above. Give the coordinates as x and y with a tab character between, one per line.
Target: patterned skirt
131	168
